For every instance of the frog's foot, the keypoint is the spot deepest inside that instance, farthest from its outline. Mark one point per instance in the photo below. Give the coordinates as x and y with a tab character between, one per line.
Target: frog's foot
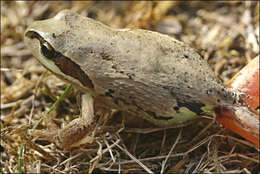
77	132
74	134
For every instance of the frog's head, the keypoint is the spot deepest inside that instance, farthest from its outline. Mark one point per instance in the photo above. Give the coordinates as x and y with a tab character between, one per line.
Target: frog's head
49	41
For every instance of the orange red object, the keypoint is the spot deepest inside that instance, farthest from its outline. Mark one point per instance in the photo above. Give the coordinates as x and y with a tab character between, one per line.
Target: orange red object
244	120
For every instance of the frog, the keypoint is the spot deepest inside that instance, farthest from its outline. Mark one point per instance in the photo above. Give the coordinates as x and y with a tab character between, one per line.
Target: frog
144	73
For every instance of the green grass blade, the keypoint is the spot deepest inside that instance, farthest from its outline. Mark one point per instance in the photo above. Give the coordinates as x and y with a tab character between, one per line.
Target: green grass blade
20	159
66	91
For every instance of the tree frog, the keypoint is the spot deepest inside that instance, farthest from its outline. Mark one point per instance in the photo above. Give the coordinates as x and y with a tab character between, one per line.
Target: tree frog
145	73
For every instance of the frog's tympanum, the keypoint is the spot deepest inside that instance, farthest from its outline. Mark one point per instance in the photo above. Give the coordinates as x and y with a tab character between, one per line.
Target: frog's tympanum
145	73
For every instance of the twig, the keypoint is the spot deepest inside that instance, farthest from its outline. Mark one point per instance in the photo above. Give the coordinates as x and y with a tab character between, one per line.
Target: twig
170	152
135	159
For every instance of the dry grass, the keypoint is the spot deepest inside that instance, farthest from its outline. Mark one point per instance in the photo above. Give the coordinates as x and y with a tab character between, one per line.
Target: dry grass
226	34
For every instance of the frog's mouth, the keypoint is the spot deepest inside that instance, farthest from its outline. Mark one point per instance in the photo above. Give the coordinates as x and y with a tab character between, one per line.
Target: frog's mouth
59	64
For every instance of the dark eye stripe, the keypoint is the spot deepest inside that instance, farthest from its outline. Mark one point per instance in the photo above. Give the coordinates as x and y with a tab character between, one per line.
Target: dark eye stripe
72	69
66	65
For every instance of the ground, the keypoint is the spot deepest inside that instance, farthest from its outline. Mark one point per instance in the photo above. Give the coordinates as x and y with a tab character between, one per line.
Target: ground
226	34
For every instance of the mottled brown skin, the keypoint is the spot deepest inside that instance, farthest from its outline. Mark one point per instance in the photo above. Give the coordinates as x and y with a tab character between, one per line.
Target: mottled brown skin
143	72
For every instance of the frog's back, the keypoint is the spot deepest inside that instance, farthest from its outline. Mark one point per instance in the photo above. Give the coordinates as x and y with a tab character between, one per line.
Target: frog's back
156	59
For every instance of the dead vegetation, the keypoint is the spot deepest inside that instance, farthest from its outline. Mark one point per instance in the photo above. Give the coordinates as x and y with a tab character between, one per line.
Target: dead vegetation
226	34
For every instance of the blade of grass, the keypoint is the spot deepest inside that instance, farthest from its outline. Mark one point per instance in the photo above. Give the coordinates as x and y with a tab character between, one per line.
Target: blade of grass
66	91
20	159
1	171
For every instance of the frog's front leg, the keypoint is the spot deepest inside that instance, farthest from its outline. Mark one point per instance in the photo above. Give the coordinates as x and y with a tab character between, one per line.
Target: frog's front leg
78	131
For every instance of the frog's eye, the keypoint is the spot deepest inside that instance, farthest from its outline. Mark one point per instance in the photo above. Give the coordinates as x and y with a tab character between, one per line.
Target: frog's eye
48	51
